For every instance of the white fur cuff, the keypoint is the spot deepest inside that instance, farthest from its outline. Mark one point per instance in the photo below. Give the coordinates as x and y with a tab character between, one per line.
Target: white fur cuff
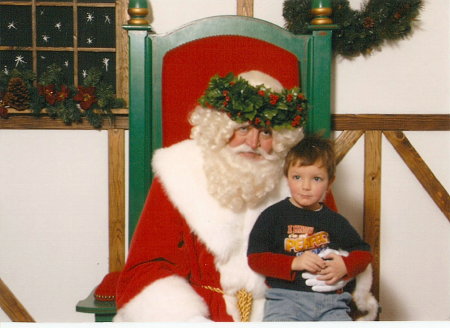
169	299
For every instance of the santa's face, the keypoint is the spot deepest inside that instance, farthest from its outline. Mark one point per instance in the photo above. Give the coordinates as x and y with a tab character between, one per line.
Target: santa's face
251	142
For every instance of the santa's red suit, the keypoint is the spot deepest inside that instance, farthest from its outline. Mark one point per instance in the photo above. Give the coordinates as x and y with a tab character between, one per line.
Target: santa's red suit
188	257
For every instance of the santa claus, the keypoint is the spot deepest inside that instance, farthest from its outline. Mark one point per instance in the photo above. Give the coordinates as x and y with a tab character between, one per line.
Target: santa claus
187	260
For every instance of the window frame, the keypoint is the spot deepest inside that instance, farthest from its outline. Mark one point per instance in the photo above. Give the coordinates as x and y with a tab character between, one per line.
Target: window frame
120	50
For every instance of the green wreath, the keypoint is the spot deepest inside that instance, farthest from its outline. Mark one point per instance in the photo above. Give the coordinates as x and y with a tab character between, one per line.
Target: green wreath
359	31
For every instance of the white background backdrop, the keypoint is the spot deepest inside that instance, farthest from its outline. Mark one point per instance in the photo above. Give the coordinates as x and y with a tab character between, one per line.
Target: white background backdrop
53	184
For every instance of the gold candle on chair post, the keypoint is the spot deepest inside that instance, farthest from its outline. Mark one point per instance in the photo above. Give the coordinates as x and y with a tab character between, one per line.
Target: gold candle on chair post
321	9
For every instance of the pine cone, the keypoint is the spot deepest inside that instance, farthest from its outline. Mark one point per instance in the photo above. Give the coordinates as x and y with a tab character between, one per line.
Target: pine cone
368	22
17	94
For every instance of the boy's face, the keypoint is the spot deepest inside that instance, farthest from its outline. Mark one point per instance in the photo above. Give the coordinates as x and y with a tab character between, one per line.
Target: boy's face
308	185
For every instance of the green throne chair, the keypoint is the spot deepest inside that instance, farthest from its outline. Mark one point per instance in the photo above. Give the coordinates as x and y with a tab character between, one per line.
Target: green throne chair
169	72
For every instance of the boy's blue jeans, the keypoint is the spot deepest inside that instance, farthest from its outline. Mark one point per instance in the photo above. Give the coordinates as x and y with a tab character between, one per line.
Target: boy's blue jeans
292	305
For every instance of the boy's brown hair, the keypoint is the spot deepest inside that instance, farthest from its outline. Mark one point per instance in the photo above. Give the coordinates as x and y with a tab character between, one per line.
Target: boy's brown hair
311	150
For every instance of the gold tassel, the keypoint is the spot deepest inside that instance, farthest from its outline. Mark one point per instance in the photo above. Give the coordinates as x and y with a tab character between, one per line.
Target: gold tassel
245	303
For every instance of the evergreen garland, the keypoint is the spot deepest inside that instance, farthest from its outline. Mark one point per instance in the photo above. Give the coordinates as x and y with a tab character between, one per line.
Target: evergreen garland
93	100
359	31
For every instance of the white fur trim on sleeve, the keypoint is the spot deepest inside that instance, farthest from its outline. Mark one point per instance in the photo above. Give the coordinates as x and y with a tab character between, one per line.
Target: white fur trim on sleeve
168	299
363	298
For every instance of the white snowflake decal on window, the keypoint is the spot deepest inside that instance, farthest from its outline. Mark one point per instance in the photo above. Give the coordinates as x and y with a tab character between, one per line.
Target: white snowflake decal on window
12	25
105	62
89	17
19	60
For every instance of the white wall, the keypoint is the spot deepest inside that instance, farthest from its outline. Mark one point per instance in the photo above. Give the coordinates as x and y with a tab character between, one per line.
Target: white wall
410	77
53	184
53	218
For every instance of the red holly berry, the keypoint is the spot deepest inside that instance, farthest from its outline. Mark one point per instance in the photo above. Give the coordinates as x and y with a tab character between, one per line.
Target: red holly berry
296	121
273	99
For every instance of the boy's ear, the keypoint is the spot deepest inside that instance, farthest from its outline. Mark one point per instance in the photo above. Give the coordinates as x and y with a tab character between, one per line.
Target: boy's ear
330	183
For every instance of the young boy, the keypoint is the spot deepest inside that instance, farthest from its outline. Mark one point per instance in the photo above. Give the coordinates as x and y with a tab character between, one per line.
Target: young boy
296	235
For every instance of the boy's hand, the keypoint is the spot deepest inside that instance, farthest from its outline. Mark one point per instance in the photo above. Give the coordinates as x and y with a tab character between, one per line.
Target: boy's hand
310	262
334	269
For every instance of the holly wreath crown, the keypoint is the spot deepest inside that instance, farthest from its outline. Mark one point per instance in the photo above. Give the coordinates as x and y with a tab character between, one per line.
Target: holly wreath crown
258	105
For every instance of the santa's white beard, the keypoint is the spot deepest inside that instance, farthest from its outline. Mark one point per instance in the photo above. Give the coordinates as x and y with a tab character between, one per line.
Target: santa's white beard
238	182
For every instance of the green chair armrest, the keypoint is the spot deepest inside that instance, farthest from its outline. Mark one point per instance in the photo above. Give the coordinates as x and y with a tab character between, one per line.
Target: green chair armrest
104	311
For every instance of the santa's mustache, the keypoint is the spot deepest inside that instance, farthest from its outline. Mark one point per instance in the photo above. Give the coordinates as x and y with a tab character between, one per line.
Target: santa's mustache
244	148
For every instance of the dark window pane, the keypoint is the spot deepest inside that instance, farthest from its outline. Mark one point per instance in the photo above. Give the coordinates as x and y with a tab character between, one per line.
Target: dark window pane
106	61
15	26
10	59
63	59
54	26
96	27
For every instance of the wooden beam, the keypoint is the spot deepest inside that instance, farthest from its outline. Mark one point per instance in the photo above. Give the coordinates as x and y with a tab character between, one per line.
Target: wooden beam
121	50
372	200
344	142
245	8
403	122
340	122
12	306
23	122
116	152
420	169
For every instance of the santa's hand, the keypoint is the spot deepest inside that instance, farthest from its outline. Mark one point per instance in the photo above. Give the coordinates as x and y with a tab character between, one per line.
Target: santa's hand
320	285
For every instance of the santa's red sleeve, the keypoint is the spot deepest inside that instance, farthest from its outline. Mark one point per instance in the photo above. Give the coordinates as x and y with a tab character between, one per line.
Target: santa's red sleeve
156	249
356	262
